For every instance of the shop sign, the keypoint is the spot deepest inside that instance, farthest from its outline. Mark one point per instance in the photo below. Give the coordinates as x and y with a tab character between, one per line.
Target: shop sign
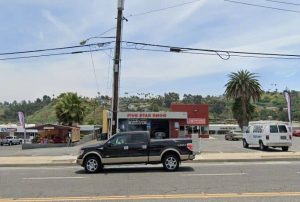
49	128
196	121
11	130
137	122
152	115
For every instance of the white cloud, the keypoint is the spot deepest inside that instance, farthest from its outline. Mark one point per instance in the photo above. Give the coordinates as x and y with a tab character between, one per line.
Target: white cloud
58	24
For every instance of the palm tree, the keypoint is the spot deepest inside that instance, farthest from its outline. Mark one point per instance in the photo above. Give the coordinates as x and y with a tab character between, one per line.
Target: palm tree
238	114
243	85
70	109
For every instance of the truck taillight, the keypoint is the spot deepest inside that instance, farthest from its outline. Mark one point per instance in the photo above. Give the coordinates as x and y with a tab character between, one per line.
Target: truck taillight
190	146
290	137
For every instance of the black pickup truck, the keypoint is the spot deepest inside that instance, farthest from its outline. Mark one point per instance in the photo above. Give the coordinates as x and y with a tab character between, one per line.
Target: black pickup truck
133	148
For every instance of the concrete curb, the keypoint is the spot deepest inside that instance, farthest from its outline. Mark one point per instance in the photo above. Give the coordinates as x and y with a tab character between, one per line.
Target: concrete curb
73	163
242	160
38	165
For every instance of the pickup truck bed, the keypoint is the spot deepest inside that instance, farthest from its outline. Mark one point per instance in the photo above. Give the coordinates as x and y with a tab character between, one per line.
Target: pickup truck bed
136	147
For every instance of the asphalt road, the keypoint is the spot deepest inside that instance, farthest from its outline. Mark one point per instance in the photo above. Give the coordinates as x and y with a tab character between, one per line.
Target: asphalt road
215	144
272	181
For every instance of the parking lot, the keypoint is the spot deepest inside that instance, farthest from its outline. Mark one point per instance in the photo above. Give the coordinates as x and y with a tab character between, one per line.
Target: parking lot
216	143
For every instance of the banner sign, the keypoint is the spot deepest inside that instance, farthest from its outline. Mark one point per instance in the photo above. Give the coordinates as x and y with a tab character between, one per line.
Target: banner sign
287	96
21	119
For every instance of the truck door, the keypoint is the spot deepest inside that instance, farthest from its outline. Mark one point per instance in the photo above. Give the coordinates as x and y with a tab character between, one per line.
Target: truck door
138	147
116	150
274	134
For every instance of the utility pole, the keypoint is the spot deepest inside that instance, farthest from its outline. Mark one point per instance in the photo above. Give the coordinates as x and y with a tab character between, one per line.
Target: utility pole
116	67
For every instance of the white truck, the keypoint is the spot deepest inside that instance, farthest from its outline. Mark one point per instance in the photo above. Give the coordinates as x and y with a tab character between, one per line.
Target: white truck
268	134
10	140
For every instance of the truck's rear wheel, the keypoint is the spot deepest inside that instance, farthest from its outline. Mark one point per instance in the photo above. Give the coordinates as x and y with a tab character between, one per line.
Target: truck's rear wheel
170	162
286	148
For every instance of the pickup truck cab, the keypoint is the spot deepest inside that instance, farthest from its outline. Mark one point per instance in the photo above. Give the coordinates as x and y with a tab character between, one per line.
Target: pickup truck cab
10	140
136	147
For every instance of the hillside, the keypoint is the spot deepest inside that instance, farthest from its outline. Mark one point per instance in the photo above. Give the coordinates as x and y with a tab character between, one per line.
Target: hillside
271	105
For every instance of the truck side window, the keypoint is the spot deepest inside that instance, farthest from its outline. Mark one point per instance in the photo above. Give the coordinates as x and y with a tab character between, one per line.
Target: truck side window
273	129
118	140
137	138
282	129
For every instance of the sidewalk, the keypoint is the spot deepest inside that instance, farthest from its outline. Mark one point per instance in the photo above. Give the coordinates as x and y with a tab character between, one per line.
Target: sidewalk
70	160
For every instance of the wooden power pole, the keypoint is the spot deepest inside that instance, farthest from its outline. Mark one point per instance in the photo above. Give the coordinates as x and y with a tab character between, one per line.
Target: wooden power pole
116	67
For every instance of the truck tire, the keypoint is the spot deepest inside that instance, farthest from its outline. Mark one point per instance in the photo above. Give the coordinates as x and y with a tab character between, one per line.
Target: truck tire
262	146
170	162
245	144
286	148
92	164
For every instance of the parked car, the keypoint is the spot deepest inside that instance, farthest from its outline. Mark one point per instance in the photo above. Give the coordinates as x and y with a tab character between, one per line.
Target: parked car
234	135
268	134
136	147
10	140
296	133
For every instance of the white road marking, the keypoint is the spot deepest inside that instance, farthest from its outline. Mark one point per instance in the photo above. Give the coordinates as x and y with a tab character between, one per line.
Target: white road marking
51	178
215	174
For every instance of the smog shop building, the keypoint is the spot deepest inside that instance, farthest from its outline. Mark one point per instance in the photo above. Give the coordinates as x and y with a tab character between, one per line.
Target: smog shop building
182	121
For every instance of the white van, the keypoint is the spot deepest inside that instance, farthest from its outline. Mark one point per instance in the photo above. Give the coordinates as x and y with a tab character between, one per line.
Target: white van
268	134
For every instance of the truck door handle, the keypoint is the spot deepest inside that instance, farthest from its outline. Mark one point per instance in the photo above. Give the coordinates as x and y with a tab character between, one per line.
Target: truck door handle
144	146
125	147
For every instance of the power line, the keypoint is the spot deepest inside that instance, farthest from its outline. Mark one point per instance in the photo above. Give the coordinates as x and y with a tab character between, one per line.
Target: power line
59	48
261	6
284	2
52	54
180	49
162	9
215	54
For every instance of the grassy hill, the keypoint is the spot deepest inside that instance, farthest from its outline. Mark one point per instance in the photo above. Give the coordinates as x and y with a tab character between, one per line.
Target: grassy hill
271	104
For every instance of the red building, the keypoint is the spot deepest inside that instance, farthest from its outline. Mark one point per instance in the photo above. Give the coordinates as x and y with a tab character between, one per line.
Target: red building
196	121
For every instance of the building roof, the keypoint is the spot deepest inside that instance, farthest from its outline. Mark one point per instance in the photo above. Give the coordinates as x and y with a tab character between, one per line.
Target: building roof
52	126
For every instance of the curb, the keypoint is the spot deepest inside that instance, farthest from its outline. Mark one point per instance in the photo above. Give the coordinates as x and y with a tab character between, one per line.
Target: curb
193	161
38	165
242	160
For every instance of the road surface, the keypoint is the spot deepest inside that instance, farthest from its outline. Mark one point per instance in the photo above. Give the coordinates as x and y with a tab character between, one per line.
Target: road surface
252	181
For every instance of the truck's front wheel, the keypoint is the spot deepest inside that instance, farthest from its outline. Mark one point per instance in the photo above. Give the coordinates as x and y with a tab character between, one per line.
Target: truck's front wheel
92	164
170	162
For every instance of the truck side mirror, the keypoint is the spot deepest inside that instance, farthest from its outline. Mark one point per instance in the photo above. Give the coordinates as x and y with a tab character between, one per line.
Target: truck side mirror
108	144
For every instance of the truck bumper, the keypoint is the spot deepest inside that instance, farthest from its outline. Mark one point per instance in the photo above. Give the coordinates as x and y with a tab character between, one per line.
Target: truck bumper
187	157
79	162
279	144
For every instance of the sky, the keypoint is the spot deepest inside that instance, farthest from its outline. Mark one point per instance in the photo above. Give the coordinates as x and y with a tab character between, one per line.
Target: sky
208	24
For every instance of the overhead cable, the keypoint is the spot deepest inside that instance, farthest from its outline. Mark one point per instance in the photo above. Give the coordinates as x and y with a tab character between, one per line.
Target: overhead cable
262	6
220	53
162	9
53	54
283	2
59	48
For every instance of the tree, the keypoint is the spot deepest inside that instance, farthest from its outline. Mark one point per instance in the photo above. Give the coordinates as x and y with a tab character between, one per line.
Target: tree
171	98
238	113
243	85
70	109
